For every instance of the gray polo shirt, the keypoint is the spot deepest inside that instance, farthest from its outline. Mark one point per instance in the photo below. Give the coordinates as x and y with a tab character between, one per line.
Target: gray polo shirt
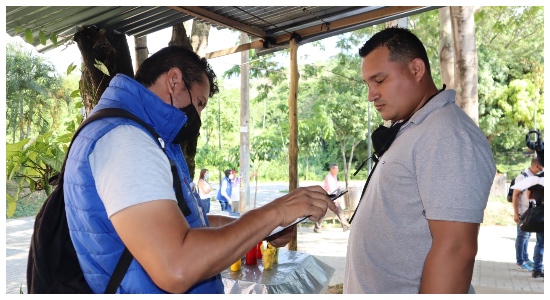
440	167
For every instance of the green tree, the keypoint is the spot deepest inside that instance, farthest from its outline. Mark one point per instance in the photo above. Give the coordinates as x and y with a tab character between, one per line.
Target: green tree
33	91
511	90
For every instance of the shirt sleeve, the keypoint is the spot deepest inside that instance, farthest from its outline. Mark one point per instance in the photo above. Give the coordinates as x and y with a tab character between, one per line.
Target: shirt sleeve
454	177
130	168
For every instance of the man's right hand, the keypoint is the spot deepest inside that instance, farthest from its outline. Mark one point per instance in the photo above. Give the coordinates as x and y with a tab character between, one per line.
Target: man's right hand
310	201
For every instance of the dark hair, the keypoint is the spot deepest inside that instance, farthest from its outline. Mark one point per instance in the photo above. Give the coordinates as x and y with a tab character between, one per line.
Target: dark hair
402	44
227	173
332	166
203	171
188	62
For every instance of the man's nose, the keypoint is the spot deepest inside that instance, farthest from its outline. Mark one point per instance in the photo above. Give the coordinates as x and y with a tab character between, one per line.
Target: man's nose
372	95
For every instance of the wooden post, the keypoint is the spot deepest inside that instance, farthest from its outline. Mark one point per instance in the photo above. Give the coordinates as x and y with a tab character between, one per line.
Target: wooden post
293	118
244	152
141	50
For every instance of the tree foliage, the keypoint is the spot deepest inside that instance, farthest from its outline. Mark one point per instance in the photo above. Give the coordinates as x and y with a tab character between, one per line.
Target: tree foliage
34	93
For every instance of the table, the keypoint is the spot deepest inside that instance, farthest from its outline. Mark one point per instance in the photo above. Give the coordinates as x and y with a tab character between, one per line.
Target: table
296	273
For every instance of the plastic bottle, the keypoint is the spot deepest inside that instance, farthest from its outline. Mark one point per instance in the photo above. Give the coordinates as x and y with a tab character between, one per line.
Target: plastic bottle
236	267
250	258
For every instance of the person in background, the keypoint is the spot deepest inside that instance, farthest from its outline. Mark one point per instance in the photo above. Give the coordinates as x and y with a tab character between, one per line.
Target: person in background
225	192
330	185
416	226
204	190
235	190
520	203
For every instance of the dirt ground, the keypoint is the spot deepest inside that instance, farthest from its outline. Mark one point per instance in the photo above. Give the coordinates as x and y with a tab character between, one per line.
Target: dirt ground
335	289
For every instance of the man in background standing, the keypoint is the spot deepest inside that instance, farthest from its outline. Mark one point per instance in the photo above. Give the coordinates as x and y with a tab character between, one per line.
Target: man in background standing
520	201
330	186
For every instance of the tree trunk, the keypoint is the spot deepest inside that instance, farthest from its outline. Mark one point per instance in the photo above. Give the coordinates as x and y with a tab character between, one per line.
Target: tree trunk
21	121
446	48
141	50
199	37
106	47
244	135
180	37
466	59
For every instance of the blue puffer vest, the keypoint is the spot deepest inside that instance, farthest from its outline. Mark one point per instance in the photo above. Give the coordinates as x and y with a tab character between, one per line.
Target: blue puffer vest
97	244
228	190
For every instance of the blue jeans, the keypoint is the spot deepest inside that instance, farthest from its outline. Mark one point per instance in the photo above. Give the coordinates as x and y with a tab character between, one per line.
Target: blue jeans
522	240
225	206
206	205
539	252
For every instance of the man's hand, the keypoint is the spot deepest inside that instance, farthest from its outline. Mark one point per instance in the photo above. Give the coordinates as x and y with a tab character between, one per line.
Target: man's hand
310	201
282	238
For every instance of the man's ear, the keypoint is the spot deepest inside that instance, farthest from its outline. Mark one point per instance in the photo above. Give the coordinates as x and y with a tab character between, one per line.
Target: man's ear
418	68
174	76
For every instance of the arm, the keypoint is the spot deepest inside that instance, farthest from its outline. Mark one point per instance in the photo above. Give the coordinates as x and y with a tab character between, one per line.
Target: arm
205	187
450	262
515	204
171	258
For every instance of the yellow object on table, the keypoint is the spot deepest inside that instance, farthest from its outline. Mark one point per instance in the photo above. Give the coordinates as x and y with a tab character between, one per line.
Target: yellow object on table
236	267
268	256
276	255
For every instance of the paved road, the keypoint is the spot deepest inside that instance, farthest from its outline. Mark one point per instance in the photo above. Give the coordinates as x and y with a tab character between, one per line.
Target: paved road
494	271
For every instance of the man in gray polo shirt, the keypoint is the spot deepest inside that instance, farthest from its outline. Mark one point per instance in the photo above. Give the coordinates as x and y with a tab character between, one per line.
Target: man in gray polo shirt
417	223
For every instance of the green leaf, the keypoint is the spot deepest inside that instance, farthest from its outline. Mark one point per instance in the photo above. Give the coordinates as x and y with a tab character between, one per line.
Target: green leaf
11	207
28	36
42	37
101	66
75	94
53	38
18	29
70	68
79	105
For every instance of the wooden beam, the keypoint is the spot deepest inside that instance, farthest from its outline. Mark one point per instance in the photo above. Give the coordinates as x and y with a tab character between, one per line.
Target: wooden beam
353	20
304	33
254	45
209	16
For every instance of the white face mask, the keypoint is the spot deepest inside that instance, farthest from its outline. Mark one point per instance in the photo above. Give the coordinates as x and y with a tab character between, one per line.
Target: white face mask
231	177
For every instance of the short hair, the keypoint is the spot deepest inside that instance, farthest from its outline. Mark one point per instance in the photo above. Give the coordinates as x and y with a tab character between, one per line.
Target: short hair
227	173
332	166
402	44
188	62
203	171
535	161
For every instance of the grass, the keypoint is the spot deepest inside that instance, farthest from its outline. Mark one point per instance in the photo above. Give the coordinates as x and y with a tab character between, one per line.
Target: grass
499	212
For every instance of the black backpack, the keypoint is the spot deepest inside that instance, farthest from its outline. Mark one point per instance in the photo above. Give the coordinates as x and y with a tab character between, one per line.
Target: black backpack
510	190
53	266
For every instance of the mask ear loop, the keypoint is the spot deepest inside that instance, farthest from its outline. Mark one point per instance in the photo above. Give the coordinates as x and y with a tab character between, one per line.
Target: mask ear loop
188	90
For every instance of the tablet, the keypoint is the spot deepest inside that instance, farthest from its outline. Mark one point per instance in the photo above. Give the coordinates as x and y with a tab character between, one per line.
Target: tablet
337	194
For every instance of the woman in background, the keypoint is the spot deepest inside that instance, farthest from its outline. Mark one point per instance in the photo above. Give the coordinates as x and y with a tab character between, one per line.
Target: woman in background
204	190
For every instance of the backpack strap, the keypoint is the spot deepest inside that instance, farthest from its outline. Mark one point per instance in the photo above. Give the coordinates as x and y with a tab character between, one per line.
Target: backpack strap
127	257
524	174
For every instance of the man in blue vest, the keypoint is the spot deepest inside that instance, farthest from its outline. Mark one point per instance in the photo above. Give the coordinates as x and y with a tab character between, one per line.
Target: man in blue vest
119	189
225	192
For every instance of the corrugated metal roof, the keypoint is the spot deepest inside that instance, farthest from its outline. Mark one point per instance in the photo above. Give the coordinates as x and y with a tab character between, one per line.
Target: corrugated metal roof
261	22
